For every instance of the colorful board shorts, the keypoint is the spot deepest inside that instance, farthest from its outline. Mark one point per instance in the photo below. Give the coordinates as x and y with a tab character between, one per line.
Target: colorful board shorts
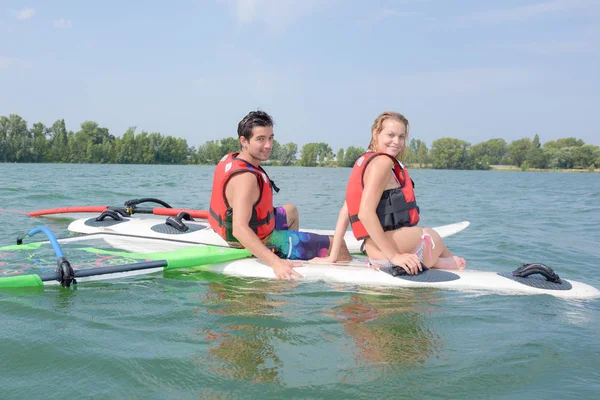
296	245
280	219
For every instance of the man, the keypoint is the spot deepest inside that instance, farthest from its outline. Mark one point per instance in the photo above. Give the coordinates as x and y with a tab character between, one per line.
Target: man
241	205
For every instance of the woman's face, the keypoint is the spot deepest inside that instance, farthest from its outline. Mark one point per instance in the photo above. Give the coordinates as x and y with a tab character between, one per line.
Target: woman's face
392	138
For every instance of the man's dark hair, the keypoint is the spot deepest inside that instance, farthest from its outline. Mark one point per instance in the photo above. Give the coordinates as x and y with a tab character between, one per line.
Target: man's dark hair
254	118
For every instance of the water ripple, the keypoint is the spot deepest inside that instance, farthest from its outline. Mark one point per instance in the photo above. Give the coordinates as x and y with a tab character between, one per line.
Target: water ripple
192	334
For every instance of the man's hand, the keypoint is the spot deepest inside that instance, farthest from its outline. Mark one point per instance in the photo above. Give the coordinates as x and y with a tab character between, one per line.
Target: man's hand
283	269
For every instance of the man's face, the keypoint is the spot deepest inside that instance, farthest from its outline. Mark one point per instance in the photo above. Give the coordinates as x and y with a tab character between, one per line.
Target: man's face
260	144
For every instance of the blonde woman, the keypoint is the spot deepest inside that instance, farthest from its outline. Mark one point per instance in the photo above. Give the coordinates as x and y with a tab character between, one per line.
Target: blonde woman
381	206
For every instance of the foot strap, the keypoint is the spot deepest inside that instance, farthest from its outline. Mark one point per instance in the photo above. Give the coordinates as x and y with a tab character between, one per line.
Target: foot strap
529	269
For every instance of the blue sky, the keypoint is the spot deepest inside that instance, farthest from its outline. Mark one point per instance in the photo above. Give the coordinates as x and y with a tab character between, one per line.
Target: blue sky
324	69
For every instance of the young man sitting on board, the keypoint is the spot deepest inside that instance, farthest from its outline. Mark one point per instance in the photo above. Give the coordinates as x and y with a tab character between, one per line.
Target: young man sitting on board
241	205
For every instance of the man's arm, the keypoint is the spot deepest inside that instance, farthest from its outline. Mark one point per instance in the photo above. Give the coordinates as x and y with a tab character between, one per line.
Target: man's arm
242	193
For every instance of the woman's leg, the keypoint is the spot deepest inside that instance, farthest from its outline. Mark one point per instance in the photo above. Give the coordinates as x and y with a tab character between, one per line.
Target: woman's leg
436	254
405	240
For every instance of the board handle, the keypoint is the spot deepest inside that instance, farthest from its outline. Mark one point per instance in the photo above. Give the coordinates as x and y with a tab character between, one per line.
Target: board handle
536	268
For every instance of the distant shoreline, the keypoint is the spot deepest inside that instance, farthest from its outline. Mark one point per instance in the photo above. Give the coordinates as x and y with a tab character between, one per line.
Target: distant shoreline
512	168
509	168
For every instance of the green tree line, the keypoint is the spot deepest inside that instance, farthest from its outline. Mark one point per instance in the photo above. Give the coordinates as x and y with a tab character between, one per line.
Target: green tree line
94	144
449	153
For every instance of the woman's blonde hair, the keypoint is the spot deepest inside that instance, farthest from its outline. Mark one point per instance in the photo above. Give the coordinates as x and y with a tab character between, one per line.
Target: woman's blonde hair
378	127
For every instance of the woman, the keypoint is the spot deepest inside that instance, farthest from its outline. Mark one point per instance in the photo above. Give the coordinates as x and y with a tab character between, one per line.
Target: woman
381	206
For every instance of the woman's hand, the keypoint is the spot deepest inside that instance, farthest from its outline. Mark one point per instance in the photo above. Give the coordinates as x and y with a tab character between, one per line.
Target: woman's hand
323	260
409	262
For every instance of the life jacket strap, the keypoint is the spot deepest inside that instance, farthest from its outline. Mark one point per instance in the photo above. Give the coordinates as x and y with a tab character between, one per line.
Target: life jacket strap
253	223
395	207
266	220
218	218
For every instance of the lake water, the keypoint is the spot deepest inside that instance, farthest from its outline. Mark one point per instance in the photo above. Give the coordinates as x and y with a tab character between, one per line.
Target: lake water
181	335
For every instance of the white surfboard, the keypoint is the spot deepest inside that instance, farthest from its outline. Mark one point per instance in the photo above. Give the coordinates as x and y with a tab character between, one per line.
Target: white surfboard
471	280
357	272
361	275
200	232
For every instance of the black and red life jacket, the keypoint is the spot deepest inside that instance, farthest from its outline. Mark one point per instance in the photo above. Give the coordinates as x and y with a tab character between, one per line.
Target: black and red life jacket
262	221
397	207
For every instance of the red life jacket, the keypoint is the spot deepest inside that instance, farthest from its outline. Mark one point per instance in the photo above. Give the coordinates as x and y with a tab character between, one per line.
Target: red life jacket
397	207
262	221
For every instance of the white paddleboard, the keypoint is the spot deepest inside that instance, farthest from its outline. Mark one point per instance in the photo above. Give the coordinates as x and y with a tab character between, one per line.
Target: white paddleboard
200	231
470	280
357	272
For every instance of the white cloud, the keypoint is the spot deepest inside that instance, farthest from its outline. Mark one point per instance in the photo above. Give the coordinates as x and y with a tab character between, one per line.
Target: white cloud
528	11
259	79
460	82
25	13
558	46
62	23
199	83
277	14
245	9
7	62
386	13
583	40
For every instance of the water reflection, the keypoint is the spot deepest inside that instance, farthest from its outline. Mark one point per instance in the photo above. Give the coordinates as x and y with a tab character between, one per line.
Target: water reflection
389	332
244	347
252	329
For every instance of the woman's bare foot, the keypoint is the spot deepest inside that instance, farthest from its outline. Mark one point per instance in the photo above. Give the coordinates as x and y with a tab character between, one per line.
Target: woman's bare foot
453	262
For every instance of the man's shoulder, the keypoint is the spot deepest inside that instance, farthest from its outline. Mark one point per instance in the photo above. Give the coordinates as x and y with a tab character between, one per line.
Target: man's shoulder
244	176
242	183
